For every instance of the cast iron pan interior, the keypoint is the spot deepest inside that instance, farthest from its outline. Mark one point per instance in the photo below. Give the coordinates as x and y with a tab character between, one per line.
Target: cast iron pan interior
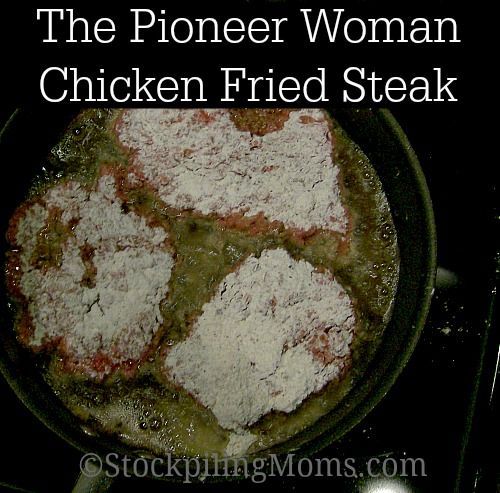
25	142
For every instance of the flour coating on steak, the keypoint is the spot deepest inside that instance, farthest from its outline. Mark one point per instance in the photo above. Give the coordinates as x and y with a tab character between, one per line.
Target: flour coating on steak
276	331
201	160
100	307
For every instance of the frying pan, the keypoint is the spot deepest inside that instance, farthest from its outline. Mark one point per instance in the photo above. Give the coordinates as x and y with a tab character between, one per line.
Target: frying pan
24	143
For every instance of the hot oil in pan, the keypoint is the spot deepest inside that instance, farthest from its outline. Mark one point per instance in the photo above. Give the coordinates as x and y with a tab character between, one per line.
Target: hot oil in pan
145	411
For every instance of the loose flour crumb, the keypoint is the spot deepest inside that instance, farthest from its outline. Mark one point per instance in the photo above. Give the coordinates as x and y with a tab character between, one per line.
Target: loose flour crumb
275	331
239	442
111	319
208	164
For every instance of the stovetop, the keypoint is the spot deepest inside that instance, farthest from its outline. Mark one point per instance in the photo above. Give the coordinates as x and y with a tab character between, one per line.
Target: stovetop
442	406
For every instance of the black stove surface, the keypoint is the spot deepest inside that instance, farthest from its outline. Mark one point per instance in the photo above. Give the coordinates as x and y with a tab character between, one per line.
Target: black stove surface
441	408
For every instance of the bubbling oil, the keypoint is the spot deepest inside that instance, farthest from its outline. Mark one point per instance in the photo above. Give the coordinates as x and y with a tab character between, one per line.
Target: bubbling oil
145	411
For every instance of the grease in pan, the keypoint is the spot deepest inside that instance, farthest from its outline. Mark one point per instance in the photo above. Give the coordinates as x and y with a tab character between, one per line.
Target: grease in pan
185	253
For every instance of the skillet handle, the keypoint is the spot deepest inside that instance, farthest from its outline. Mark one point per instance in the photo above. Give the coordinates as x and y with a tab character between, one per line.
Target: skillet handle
100	483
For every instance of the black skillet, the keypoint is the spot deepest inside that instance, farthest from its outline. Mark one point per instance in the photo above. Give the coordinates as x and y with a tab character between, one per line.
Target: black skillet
24	143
